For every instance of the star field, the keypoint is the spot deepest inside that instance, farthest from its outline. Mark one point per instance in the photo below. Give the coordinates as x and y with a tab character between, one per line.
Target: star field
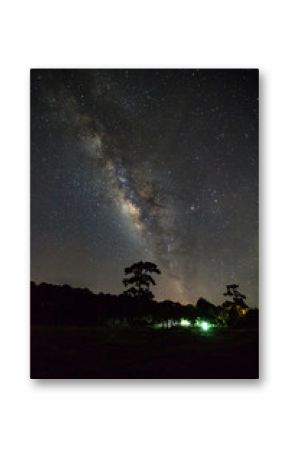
158	165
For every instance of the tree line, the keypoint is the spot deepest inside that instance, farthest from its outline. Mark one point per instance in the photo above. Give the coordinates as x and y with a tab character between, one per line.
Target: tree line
64	305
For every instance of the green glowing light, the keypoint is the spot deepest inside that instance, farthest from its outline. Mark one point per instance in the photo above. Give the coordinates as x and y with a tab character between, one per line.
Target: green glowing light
204	326
184	323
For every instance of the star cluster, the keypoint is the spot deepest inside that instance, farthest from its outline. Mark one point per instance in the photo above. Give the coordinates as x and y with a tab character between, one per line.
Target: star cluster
158	165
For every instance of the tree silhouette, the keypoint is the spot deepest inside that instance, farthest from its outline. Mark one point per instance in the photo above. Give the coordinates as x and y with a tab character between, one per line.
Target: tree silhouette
238	297
141	279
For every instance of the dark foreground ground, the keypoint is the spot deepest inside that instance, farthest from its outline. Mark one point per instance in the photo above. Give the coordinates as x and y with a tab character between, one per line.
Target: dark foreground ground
143	353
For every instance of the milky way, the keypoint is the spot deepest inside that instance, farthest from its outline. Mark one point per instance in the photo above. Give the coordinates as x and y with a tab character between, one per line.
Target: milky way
158	165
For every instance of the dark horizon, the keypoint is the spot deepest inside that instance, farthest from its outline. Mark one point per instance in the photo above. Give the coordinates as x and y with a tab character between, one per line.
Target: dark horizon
158	165
121	293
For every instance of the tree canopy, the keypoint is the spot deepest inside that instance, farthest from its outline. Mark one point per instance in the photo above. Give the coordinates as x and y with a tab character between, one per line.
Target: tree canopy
141	280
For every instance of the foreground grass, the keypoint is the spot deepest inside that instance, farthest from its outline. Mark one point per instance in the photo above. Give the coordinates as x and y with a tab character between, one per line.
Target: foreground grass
142	353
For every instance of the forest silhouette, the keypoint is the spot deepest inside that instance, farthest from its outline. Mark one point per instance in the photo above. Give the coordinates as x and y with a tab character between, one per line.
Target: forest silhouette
64	305
78	334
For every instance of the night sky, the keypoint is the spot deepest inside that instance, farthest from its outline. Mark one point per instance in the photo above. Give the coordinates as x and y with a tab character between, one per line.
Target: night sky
156	165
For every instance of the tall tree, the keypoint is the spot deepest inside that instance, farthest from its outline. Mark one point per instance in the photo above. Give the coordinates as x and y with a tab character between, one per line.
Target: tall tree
238	297
141	279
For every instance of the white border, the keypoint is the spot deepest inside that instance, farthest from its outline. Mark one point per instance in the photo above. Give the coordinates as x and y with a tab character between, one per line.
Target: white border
144	34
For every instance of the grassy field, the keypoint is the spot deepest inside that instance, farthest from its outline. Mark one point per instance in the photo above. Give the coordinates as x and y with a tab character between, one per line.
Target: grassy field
143	353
